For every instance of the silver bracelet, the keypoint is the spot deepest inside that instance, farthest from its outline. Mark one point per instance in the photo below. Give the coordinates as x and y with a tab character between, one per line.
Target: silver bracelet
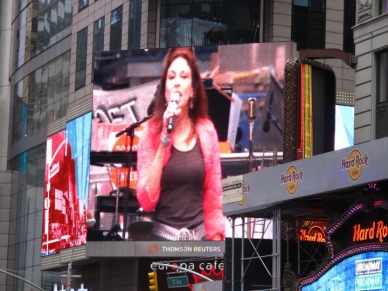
164	140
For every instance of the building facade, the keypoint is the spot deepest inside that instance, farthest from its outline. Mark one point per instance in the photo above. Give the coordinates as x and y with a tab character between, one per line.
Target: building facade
46	79
371	73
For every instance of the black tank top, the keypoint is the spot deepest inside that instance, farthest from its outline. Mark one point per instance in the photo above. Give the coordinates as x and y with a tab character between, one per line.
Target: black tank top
181	196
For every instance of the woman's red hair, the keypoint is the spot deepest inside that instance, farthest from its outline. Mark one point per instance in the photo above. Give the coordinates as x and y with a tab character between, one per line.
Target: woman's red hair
199	99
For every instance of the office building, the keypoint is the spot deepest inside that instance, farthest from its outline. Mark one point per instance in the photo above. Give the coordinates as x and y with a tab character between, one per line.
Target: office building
46	79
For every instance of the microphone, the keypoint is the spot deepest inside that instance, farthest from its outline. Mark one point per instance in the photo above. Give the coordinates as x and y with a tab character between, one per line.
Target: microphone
252	108
266	122
174	98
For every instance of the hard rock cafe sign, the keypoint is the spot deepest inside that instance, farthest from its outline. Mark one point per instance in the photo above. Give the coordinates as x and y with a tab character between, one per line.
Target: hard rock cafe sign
291	179
354	164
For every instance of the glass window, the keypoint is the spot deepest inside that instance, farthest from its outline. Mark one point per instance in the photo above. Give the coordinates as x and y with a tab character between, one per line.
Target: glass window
68	14
58	90
82	4
41	170
98	35
43	39
61	15
43	116
308	23
382	94
349	22
56	110
45	73
35	95
116	22
382	76
36	116
54	20
66	63
50	93
134	24
383	6
40	25
80	71
192	23
58	68
50	113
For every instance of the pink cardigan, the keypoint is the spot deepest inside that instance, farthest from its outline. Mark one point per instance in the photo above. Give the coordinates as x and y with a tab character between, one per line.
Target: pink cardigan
214	220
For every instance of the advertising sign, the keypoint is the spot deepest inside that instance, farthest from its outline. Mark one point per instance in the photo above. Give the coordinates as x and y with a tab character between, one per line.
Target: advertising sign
187	274
126	87
66	187
358	256
366	271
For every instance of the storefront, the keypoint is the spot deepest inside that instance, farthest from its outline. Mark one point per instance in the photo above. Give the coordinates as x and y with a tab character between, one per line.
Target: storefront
324	187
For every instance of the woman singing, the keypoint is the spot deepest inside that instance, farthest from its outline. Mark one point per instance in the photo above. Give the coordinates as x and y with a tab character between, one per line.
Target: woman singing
179	171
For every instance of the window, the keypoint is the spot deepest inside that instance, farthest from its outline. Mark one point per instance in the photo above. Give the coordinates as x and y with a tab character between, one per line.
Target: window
134	24
98	35
382	94
193	22
80	67
349	22
308	23
116	22
98	38
383	6
82	4
382	76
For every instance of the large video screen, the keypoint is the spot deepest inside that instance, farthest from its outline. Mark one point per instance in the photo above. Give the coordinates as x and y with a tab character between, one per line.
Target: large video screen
66	187
365	271
243	89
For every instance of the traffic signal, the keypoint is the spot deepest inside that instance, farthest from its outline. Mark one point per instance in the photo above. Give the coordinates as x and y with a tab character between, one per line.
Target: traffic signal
152	276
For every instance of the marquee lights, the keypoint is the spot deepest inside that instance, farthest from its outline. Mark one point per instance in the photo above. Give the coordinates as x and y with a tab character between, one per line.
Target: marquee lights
377	230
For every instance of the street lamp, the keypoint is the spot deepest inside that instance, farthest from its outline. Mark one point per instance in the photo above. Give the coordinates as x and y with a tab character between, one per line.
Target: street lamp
89	222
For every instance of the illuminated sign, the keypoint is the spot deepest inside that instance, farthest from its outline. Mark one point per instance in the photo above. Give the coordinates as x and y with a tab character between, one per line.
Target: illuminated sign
314	234
66	187
364	271
291	179
378	231
126	83
212	268
358	251
369	274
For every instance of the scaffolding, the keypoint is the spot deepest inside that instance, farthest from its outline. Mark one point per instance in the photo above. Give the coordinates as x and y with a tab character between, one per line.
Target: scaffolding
284	220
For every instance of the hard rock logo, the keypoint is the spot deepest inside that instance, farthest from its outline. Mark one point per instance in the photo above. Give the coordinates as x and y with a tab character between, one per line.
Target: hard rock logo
246	191
354	164
291	179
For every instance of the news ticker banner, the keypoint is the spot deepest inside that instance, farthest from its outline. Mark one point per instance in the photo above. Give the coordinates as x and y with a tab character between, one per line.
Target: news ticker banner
101	249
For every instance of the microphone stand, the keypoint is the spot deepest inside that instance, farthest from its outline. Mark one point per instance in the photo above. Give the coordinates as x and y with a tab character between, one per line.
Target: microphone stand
274	120
130	131
270	117
252	118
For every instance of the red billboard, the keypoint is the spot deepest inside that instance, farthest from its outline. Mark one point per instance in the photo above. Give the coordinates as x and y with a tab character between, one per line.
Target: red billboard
66	187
